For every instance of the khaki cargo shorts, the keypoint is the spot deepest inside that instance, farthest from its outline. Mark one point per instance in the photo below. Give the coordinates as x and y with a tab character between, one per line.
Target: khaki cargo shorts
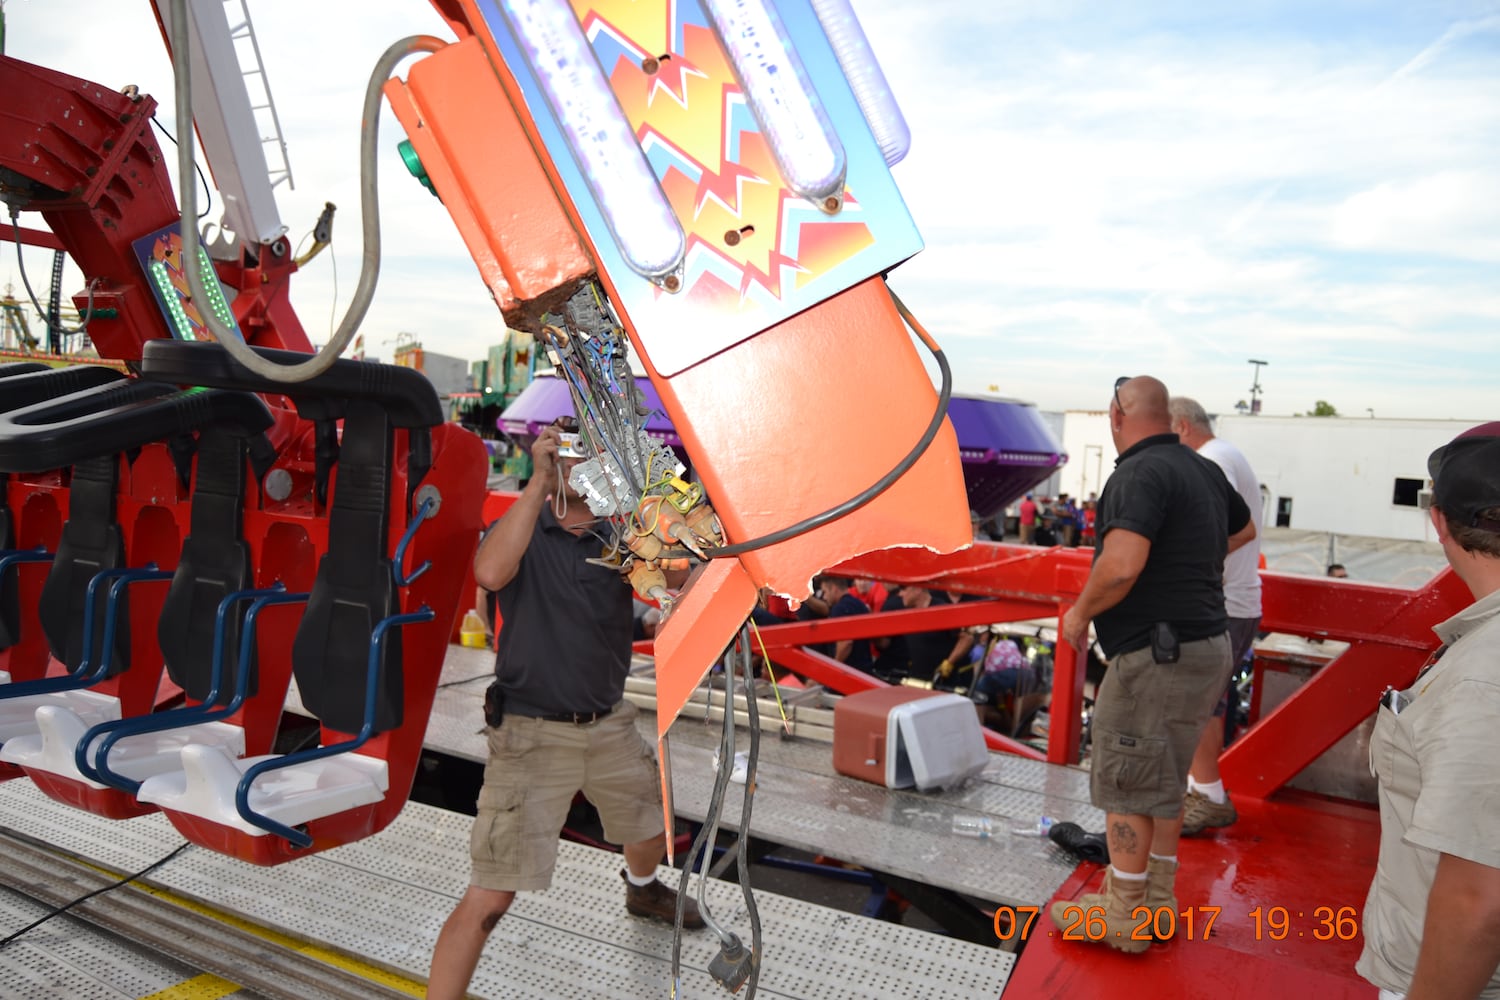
1147	720
535	769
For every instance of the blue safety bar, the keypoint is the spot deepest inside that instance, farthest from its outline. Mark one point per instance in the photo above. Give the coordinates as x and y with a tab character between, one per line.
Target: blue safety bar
85	675
15	557
406	537
118	729
242	794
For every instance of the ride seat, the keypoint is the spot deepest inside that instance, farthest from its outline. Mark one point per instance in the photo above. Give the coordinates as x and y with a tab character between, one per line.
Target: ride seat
292	796
338	651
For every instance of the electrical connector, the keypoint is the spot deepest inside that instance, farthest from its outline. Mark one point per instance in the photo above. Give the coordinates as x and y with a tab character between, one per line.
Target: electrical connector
732	966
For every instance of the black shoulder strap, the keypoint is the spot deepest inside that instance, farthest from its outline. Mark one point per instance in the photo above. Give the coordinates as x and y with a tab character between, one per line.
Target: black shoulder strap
90	543
215	562
10	604
355	587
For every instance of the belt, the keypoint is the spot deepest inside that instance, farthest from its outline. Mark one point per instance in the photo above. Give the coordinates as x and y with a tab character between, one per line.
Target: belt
576	718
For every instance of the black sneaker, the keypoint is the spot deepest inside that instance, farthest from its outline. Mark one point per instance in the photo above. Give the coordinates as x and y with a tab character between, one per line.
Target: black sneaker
657	902
1076	840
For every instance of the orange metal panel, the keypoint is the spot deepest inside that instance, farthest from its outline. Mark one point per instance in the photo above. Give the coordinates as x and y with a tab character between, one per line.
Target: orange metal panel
463	127
701	625
807	414
795	421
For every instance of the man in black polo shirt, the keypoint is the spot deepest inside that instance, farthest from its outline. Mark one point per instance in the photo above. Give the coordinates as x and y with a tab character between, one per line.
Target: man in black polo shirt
1166	520
561	725
842	601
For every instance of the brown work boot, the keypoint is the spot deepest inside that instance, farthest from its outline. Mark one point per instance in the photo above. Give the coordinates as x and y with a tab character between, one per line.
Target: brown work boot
1200	812
658	902
1117	926
1160	877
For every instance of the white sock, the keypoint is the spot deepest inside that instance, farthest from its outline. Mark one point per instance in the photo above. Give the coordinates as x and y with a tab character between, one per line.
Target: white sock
1164	857
639	880
1213	791
1127	876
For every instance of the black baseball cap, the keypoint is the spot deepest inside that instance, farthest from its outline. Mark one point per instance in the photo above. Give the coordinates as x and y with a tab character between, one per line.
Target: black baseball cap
1466	476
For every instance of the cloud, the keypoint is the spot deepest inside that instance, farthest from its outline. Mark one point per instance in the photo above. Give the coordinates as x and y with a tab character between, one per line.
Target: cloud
1103	188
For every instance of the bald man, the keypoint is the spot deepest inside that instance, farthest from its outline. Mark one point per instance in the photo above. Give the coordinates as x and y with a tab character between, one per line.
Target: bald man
1155	595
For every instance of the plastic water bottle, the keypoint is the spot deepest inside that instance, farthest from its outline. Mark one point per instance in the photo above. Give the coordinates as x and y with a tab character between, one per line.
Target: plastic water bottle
1037	829
973	826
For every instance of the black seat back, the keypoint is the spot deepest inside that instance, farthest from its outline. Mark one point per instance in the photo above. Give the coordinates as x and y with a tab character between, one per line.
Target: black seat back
355	587
214	563
91	543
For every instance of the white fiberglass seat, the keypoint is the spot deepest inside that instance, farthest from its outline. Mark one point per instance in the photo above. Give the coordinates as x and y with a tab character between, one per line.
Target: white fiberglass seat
292	795
136	757
18	716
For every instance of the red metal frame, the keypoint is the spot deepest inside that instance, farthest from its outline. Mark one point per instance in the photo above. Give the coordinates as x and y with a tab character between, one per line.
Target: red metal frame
104	184
1390	636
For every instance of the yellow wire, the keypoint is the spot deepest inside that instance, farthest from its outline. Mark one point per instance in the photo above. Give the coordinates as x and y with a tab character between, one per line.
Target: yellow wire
654	523
775	688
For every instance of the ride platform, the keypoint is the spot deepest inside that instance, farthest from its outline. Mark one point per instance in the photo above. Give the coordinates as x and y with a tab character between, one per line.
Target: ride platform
1286	887
359	921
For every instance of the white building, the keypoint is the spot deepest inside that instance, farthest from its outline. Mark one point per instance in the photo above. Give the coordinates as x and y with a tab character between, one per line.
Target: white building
1335	474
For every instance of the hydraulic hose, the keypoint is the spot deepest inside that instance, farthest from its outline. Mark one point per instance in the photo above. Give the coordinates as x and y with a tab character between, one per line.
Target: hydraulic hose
369	204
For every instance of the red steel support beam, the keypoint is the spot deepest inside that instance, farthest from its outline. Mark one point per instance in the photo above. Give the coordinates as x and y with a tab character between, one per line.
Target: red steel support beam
1065	727
1391	636
32	237
885	623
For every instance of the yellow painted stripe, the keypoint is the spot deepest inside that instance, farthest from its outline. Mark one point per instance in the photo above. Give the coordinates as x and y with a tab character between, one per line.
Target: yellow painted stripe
198	988
339	960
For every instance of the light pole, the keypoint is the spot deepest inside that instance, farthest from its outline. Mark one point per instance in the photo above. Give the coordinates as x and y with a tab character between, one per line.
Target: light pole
1255	389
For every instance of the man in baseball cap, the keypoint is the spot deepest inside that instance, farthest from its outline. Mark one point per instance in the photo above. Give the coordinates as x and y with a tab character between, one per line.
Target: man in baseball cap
1432	919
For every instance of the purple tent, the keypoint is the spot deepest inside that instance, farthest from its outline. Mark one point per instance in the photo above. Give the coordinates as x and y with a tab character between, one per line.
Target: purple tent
1005	446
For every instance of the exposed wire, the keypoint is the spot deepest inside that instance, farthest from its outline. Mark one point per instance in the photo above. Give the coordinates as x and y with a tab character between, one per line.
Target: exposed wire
703	842
882	484
752	758
207	191
88	312
559	498
102	889
786	723
333	303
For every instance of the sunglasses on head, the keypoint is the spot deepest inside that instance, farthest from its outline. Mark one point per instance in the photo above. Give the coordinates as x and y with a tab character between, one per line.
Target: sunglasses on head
1119	382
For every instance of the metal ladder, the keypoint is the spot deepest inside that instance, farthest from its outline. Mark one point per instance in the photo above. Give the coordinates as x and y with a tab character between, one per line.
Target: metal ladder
243	30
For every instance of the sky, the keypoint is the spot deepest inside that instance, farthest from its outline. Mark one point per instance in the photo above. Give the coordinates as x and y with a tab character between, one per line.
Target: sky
1163	187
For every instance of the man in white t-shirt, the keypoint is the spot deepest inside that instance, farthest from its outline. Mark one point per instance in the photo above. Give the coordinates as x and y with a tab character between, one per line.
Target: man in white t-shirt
1207	804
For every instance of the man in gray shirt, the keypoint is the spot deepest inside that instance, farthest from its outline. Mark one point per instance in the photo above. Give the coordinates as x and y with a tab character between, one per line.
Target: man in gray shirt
557	721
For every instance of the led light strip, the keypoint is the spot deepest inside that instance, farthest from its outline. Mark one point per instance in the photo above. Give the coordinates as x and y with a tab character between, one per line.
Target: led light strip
782	99
865	78
643	225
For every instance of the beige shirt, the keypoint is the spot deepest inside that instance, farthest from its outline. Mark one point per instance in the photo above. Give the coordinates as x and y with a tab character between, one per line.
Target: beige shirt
1437	762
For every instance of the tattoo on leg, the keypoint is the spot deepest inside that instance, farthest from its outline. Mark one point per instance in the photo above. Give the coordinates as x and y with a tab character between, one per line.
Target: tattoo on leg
1122	837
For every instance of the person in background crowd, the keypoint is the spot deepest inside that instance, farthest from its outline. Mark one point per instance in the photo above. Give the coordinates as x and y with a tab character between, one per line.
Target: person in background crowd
1027	519
843	602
